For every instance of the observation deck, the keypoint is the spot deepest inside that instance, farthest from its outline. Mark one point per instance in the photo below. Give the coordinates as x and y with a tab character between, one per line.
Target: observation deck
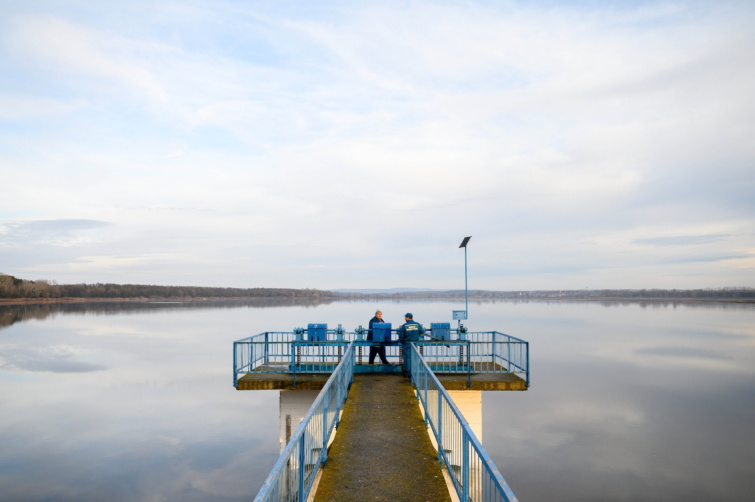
304	359
387	447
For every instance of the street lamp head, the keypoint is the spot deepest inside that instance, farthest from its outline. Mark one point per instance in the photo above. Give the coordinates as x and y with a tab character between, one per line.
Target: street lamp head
464	242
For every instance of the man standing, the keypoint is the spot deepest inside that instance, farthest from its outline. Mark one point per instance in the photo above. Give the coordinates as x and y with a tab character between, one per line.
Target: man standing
409	332
379	350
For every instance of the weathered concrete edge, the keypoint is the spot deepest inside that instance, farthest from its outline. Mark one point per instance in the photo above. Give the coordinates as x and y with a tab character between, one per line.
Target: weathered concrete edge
284	381
456	385
281	381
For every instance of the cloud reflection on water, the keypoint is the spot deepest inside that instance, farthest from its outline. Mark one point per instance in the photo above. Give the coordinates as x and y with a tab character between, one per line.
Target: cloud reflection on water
612	413
683	352
627	407
159	420
54	359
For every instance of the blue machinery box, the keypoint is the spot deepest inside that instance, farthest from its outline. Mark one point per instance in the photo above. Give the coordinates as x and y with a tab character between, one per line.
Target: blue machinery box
317	332
441	330
381	332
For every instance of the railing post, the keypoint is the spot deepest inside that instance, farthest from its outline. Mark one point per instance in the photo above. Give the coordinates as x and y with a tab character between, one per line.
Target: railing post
465	466
426	407
441	444
495	335
324	427
300	493
527	368
294	349
235	375
469	364
267	348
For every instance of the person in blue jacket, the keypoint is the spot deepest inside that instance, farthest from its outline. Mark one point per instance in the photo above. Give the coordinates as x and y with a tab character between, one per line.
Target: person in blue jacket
379	350
409	332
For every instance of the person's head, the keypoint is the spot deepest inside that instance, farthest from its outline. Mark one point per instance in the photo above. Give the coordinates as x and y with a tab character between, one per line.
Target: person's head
378	314
408	316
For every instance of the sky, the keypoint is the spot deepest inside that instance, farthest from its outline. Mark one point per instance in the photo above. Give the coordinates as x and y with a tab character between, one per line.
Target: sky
353	144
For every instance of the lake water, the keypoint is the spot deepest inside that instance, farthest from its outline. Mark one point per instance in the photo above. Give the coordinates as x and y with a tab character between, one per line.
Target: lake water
135	402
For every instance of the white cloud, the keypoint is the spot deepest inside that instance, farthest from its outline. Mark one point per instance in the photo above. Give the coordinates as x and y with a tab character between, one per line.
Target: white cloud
300	142
69	48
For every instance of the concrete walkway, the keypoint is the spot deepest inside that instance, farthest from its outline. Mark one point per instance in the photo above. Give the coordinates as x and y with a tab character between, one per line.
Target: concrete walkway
382	451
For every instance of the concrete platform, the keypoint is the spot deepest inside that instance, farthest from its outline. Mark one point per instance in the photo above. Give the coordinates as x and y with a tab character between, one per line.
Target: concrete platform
382	451
315	381
282	381
483	381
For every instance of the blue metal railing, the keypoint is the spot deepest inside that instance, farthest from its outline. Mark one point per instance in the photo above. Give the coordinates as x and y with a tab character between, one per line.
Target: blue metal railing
315	357
290	352
295	471
268	352
473	473
495	352
449	357
392	352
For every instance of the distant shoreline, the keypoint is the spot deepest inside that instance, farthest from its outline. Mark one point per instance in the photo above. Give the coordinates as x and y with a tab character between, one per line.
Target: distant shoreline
38	301
656	300
47	301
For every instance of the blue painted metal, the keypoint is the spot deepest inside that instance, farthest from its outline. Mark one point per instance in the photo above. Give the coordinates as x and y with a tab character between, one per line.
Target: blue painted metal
466	353
381	332
492	350
441	330
295	471
315	357
452	357
317	332
360	333
267	352
473	473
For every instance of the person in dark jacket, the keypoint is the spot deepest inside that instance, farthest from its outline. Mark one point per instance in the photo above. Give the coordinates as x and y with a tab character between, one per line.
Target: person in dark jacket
376	350
409	332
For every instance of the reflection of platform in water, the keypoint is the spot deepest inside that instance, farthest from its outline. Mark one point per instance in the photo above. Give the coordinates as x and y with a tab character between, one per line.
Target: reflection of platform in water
483	376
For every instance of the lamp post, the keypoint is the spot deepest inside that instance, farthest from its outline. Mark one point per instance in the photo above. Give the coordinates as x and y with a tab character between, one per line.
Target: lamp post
466	290
462	315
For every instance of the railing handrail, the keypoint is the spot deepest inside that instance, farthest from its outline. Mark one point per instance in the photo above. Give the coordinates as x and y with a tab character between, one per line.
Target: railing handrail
393	330
343	370
267	352
474	474
493	332
250	339
420	374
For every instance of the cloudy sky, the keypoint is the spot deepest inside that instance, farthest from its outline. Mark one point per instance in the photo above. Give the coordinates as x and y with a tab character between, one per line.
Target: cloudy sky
350	144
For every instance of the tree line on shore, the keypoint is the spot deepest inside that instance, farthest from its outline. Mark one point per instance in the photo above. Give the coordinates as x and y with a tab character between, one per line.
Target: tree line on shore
12	287
745	294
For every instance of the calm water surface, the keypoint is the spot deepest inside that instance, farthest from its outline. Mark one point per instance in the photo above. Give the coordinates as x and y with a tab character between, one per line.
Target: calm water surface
134	402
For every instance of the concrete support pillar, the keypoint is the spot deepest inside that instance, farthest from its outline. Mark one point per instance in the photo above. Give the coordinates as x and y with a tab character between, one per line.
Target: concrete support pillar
294	404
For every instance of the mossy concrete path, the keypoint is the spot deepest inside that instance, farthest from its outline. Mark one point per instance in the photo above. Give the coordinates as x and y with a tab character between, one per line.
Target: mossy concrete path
381	451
